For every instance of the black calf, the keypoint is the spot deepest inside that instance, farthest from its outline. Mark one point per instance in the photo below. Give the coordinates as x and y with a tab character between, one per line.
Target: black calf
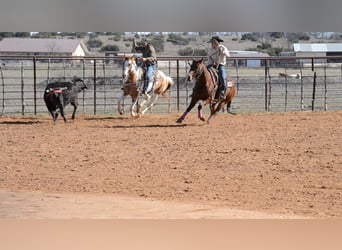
58	94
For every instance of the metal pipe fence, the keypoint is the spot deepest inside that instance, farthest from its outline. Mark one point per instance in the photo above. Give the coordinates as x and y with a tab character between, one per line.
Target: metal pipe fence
277	84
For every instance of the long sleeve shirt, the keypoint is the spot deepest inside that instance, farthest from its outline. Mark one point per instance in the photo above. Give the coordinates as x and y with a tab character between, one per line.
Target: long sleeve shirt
148	52
218	55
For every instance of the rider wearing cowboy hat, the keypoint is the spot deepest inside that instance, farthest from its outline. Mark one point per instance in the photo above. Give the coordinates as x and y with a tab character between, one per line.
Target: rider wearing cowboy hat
217	54
148	61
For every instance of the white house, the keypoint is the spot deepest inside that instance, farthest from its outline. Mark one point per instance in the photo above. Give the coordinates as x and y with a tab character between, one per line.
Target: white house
318	50
43	47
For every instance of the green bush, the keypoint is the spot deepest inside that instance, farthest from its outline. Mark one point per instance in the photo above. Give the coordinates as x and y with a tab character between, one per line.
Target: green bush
94	43
110	47
185	52
188	51
158	44
177	39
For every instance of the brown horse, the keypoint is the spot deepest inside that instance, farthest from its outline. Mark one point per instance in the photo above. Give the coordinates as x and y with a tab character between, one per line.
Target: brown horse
132	74
204	90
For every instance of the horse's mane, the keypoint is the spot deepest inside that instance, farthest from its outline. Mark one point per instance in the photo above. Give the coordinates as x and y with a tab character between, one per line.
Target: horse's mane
137	71
140	72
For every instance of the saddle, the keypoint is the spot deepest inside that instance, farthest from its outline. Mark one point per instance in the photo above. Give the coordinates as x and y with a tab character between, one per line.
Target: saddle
214	77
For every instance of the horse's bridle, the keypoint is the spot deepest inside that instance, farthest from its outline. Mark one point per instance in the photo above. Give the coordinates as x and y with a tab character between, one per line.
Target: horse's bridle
194	73
127	68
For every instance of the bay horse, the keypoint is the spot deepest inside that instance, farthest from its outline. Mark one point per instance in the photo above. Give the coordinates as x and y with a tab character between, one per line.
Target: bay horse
204	90
132	74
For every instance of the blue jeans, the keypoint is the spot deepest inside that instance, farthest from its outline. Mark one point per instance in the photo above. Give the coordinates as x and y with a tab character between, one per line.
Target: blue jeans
222	77
148	77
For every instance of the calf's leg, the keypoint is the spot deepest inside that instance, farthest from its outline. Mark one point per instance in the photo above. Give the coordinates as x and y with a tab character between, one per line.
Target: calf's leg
74	112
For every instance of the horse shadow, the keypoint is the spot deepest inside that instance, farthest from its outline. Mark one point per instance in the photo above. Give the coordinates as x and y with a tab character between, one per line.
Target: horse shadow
19	122
146	126
106	118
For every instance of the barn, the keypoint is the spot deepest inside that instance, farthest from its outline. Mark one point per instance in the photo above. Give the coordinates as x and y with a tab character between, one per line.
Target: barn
318	50
43	47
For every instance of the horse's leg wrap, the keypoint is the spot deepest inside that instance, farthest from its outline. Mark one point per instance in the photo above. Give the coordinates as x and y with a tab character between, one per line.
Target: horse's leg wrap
200	113
184	115
180	119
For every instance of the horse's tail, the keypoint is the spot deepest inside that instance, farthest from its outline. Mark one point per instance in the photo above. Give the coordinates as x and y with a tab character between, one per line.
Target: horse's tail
169	81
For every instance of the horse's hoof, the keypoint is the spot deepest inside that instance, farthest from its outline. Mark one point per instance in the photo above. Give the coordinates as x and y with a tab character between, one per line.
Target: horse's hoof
179	120
202	119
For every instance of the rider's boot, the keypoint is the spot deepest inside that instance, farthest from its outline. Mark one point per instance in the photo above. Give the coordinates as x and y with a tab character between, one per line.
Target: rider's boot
148	89
222	94
143	92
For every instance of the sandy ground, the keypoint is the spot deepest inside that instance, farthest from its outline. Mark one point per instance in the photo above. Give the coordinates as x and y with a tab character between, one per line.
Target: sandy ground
266	165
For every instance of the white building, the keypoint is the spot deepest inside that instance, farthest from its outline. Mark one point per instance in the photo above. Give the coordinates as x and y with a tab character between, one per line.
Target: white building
43	47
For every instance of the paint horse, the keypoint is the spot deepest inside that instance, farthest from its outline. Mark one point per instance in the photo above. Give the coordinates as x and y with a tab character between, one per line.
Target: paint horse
204	90
132	74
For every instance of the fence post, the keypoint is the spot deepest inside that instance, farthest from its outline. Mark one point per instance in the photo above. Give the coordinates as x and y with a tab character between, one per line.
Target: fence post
301	88
237	75
266	86
313	93
325	86
83	74
3	91
22	89
269	106
286	89
170	93
177	85
104	85
94	86
35	84
48	71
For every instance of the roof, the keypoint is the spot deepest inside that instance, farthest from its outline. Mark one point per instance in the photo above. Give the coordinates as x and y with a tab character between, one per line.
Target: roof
317	47
40	45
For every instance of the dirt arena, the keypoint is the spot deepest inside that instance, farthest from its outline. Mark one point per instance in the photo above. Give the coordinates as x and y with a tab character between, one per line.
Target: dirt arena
284	164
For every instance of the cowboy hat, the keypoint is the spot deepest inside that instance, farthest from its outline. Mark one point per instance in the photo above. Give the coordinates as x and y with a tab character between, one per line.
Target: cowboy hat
144	40
216	38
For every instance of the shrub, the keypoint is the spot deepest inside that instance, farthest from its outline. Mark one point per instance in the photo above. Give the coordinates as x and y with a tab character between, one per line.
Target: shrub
158	44
177	39
110	47
188	51
94	43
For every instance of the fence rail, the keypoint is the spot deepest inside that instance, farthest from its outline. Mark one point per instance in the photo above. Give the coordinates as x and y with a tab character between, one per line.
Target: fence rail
276	84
